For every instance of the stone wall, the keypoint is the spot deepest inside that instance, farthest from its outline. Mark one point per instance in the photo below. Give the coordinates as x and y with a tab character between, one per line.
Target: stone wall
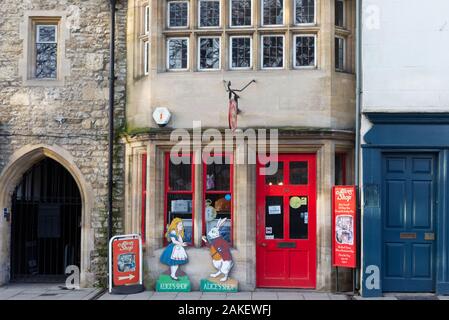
29	112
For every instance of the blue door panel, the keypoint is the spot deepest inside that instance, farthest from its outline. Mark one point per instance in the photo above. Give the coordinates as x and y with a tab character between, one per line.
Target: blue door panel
421	252
422	208
408	210
395	253
395	194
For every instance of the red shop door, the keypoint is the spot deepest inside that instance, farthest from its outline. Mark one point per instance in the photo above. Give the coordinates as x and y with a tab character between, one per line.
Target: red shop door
286	223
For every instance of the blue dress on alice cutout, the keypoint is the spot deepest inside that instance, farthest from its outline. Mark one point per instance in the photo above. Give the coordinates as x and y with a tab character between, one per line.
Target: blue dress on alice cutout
166	254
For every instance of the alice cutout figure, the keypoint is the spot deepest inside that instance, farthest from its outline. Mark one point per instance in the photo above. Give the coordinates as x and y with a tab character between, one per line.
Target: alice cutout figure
175	254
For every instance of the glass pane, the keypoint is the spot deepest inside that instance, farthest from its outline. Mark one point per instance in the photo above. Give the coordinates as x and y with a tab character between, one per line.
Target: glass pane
180	206
298	172
340	169
273	52
209	13
241	52
299	217
177	54
178	14
273	12
339	54
46	60
274	218
339	13
218	206
305	11
209	53
180	176
241	12
218	176
277	178
305	51
46	34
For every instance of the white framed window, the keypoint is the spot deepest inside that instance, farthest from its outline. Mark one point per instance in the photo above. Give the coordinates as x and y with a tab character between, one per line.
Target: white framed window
46	51
272	51
209	57
146	27
304	51
340	16
209	13
146	56
178	54
178	14
340	54
240	52
304	12
272	12
240	13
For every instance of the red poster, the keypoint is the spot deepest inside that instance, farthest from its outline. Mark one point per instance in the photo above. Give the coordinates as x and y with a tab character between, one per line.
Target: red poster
126	261
343	226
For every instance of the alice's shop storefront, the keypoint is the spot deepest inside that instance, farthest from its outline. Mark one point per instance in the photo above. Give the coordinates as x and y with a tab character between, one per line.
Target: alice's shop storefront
269	230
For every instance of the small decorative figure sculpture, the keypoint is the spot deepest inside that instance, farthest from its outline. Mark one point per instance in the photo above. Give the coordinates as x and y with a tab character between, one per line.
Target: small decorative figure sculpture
220	251
174	254
210	214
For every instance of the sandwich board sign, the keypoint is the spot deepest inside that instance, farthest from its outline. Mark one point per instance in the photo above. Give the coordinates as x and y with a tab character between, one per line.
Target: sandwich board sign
125	264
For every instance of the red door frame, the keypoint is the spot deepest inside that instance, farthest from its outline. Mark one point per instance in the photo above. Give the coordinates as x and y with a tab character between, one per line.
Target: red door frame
263	245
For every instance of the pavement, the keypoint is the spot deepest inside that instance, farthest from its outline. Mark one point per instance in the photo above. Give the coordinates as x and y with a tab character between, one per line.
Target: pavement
32	291
42	291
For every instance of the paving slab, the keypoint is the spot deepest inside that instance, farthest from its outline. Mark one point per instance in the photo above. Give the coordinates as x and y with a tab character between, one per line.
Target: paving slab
213	296
261	295
193	295
164	296
290	296
316	296
145	295
239	296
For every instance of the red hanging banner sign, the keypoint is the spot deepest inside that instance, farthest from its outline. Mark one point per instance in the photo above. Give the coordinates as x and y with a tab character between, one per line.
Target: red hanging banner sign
343	226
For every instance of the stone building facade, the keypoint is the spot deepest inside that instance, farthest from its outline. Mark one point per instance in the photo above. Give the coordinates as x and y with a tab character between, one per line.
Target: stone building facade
301	56
62	116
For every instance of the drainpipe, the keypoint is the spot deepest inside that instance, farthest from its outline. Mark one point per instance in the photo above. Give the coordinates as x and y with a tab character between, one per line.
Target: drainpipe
111	113
358	72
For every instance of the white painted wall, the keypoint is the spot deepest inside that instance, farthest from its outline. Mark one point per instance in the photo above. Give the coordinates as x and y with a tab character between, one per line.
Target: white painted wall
406	55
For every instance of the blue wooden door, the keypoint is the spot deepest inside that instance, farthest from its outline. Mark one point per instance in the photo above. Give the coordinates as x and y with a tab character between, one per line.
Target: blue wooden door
408	206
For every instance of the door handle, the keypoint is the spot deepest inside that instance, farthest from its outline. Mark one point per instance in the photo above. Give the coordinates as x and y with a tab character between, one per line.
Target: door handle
263	244
429	236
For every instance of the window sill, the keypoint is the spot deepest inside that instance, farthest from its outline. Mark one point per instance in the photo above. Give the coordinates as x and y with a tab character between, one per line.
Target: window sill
43	83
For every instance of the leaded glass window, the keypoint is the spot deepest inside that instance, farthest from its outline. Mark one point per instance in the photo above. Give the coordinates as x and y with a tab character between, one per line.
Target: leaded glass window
340	13
178	14
177	53
304	11
272	52
46	51
209	14
241	52
273	12
339	54
209	53
241	13
304	51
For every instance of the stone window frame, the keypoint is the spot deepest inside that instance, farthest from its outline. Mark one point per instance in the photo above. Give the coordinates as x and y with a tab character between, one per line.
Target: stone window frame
167	58
307	23
284	55
143	44
250	48
343	67
199	53
262	7
344	20
167	19
241	26
27	64
219	14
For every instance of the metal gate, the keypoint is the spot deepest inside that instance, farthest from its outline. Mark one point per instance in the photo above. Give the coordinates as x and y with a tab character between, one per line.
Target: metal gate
46	224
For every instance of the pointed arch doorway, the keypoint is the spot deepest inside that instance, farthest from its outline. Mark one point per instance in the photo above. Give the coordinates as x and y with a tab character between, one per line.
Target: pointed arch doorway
45	224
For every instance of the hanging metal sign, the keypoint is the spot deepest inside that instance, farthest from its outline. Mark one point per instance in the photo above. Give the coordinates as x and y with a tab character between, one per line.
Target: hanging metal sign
125	264
233	111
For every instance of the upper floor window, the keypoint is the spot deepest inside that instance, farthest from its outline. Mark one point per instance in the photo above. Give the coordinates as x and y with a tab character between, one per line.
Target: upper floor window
177	53
241	52
340	13
272	12
241	13
146	55
146	20
272	52
304	11
340	52
46	51
209	13
209	53
304	51
178	14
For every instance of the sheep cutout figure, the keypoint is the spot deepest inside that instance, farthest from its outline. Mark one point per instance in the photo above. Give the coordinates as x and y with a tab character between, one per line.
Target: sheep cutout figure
220	251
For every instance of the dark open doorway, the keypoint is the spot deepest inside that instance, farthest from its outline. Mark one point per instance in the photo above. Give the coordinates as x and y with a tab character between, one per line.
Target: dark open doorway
46	224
